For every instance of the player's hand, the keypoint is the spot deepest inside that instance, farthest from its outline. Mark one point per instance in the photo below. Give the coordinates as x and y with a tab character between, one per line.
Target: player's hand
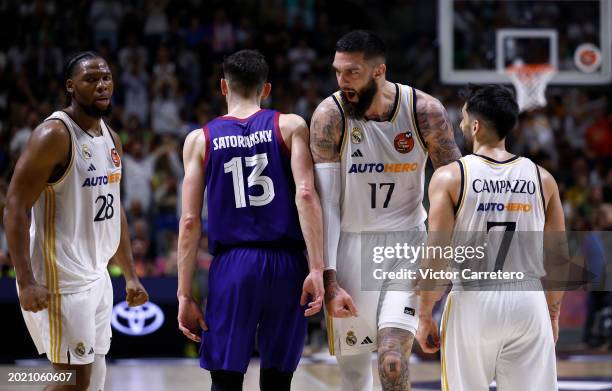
554	322
136	293
338	303
313	287
190	318
34	297
427	334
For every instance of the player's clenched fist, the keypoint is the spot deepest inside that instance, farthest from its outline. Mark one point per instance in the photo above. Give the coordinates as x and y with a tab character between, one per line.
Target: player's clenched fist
338	303
427	334
136	293
34	297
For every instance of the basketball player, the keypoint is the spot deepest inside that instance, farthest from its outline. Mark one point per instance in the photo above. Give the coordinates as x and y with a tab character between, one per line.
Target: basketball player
498	331
257	168
370	142
66	189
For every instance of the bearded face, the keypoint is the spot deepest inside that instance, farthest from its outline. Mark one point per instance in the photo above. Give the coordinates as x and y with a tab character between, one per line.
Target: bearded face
361	100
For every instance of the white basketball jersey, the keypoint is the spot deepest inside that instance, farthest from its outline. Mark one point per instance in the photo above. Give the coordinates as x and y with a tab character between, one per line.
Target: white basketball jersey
76	222
506	198
383	169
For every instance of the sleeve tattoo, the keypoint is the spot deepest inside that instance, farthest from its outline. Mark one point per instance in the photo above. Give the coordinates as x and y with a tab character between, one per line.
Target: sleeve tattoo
436	129
326	132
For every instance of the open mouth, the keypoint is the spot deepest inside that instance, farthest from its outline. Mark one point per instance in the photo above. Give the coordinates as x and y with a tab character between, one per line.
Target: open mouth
350	95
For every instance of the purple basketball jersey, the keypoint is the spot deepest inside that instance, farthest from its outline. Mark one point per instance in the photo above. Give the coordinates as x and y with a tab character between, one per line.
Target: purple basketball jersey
251	192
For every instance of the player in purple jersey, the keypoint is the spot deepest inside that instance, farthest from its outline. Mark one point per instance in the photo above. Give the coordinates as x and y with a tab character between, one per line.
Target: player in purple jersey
263	212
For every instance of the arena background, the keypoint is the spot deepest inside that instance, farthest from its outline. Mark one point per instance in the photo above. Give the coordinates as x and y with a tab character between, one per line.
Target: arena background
165	57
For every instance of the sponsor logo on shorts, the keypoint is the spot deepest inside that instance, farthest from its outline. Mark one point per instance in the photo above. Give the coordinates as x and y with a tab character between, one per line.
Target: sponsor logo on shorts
404	142
91	351
80	349
351	338
356	135
409	311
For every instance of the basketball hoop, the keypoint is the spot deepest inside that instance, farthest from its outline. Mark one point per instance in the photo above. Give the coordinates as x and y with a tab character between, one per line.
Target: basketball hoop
530	81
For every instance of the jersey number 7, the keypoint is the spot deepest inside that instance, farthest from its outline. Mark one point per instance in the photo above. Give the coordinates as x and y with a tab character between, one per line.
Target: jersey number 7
510	228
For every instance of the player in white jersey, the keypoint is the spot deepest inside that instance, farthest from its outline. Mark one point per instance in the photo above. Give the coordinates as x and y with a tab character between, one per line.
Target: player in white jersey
66	188
503	330
370	142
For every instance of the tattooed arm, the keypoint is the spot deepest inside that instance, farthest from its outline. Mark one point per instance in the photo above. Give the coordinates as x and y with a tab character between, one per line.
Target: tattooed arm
394	347
325	142
326	132
436	130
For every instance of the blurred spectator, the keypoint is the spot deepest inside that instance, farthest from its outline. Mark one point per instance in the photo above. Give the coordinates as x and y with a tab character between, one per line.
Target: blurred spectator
165	118
132	52
22	135
223	39
301	58
599	135
104	18
135	83
138	172
156	23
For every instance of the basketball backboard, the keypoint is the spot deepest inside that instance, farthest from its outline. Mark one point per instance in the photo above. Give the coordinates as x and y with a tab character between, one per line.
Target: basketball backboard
480	38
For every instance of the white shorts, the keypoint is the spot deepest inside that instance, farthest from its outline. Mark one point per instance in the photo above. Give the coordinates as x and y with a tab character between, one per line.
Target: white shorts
76	326
376	309
506	336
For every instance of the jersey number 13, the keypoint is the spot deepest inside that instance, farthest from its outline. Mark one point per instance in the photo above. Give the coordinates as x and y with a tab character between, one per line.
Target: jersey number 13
235	167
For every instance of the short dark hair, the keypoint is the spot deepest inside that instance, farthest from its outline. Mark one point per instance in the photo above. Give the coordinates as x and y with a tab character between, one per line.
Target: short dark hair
72	63
246	71
362	41
494	104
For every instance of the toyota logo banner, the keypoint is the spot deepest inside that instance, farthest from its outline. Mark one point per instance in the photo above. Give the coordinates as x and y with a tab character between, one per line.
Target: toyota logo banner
141	320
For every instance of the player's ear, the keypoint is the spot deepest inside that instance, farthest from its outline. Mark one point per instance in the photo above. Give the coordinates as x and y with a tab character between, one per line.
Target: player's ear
70	86
380	70
475	127
267	87
224	87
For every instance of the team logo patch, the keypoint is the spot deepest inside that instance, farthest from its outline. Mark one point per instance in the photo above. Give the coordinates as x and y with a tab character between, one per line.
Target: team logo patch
409	311
404	142
80	349
115	157
86	152
351	338
356	135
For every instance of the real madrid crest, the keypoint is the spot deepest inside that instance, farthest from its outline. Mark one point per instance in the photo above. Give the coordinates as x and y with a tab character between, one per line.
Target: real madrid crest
351	338
86	152
404	142
356	135
80	349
